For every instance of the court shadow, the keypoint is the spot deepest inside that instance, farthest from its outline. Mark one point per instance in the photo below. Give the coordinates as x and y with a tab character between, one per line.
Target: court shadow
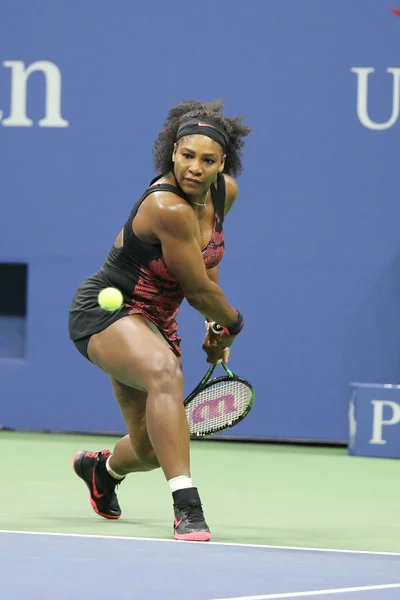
72	521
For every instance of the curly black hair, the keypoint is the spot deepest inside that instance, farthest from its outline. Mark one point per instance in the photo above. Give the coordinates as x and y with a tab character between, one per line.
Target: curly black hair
211	112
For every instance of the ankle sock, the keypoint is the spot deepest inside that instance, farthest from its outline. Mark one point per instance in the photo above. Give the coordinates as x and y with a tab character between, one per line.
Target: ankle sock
113	474
180	483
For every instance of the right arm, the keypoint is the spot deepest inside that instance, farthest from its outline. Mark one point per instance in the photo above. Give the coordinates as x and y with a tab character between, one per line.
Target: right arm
174	224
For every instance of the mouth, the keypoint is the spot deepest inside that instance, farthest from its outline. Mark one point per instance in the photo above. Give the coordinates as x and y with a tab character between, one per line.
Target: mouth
192	181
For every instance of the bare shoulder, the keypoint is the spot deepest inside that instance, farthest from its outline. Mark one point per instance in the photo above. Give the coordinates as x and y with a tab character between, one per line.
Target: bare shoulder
171	214
232	191
231	185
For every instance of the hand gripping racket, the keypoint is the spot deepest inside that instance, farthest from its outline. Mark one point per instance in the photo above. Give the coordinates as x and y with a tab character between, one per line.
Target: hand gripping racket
218	404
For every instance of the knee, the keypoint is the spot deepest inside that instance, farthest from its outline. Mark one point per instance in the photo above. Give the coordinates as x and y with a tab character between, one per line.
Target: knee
165	373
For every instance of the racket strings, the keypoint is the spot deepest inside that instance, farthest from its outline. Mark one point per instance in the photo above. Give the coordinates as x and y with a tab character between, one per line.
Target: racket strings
218	406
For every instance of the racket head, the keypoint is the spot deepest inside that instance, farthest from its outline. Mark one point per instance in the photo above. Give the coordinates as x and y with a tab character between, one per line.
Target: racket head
218	405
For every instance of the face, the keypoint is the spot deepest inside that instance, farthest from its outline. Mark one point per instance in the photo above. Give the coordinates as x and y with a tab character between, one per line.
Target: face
197	161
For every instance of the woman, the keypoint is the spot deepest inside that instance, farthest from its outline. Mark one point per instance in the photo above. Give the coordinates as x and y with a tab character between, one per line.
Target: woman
168	249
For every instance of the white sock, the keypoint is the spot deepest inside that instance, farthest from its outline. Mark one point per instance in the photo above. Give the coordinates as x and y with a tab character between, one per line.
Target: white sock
111	472
180	483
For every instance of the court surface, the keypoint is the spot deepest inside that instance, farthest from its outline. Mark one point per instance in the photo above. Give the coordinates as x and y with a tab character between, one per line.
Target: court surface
287	522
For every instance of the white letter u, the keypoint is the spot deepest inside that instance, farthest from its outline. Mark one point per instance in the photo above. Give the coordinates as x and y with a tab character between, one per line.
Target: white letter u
362	98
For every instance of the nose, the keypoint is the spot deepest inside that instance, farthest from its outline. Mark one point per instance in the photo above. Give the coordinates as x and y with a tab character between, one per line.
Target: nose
195	167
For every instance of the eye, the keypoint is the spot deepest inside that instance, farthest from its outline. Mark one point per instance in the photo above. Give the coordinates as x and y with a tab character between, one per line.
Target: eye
209	161
187	155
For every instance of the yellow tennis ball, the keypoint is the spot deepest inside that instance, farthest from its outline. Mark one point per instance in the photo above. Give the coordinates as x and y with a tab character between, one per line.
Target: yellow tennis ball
110	299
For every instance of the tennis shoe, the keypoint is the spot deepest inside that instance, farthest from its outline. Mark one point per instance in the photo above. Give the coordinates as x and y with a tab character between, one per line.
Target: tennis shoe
91	468
189	521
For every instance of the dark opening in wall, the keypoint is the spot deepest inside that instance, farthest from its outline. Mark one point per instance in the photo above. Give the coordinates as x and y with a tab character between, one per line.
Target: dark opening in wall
13	303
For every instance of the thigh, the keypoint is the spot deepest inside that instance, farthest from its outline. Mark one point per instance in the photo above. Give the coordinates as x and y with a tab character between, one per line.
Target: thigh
132	404
133	354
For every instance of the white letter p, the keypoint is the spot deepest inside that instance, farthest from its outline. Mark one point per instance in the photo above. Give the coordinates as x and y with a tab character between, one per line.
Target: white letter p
379	422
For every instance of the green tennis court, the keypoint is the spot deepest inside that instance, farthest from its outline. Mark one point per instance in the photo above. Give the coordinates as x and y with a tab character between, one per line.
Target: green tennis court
279	495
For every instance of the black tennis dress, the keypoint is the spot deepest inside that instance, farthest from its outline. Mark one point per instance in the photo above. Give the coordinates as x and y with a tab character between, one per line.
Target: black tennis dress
138	270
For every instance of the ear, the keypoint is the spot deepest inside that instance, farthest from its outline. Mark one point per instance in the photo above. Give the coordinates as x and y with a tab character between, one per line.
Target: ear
222	164
174	152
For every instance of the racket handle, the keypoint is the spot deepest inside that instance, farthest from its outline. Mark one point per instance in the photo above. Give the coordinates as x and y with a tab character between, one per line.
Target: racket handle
234	328
218	332
217	329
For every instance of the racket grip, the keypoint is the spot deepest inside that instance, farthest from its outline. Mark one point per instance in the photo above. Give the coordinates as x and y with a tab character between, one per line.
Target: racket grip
234	328
217	329
211	325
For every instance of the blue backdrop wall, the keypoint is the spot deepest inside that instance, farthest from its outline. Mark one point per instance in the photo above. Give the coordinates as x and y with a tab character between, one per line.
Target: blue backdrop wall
313	244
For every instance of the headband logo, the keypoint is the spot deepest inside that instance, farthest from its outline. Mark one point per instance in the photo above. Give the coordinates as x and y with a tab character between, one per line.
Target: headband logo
204	125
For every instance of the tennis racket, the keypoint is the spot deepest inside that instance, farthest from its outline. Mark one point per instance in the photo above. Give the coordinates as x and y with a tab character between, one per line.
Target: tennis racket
218	404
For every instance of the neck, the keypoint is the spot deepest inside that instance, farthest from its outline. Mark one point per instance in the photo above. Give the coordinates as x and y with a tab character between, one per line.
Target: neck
199	201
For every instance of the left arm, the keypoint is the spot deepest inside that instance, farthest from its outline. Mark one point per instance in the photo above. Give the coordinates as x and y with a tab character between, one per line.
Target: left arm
213	275
230	197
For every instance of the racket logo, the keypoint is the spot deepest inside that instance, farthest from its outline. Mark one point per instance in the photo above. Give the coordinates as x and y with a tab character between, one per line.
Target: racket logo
212	407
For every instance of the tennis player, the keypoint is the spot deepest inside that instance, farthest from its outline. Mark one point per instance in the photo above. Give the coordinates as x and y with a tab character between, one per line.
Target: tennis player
168	249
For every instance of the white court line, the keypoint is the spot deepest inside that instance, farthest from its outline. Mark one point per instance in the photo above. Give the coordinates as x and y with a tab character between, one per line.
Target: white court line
145	539
367	588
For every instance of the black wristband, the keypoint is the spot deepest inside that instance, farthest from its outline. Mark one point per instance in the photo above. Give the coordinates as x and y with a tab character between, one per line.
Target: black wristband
232	329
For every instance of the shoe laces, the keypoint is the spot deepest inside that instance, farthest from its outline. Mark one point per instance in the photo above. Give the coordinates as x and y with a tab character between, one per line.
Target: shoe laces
105	453
193	513
110	484
92	454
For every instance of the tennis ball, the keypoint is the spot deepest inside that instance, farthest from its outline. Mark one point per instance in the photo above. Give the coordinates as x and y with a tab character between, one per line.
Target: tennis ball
110	299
